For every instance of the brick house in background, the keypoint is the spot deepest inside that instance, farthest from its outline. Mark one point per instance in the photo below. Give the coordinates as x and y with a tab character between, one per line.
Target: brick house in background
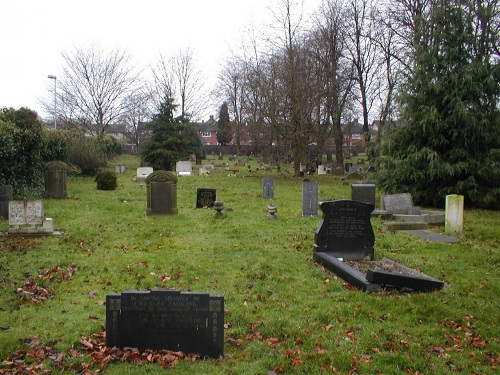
207	131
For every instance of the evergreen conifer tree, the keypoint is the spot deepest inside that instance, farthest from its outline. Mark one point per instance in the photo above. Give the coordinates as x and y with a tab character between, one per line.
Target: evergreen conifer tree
172	139
224	134
448	139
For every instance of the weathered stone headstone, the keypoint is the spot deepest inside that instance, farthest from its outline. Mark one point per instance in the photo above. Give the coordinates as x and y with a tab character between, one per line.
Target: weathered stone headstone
142	173
166	319
321	169
27	217
184	168
5	197
309	198
345	230
120	168
363	193
205	197
454	214
399	204
55	179
268	188
354	176
162	193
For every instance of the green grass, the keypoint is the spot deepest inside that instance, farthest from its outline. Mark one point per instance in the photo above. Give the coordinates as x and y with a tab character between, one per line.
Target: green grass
265	270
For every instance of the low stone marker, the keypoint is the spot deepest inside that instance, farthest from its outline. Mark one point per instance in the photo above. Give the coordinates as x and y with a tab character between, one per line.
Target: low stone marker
399	204
120	168
5	197
267	188
55	179
364	193
184	168
162	193
321	169
309	198
27	217
142	173
166	319
454	214
205	197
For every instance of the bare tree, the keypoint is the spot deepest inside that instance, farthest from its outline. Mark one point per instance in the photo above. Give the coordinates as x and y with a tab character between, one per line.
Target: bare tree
93	87
364	56
336	71
180	78
139	108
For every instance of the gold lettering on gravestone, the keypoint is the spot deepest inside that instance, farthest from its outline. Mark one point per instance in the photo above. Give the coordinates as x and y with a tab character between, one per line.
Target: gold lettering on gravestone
348	224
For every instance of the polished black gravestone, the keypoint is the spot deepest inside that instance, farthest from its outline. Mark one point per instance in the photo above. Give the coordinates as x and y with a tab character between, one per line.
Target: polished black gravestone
205	197
345	233
166	319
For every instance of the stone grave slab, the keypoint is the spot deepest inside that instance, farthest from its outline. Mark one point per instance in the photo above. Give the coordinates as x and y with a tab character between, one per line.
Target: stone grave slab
345	230
268	188
392	273
5	197
166	319
142	173
205	197
161	193
398	204
364	193
184	168
309	198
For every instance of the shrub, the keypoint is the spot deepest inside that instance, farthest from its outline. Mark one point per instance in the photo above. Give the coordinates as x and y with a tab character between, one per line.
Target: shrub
85	153
55	146
106	180
111	147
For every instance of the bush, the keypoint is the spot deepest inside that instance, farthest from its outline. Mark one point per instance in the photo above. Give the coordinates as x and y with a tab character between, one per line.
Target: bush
85	153
55	146
106	180
112	147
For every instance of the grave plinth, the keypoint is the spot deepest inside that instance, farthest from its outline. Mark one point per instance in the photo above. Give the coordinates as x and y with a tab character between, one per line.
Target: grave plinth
55	179
166	319
162	193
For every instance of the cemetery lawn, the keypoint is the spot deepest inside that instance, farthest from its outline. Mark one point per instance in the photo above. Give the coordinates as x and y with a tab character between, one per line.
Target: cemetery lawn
283	312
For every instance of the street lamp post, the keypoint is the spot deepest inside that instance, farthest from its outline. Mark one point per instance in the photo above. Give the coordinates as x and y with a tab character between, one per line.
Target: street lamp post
55	99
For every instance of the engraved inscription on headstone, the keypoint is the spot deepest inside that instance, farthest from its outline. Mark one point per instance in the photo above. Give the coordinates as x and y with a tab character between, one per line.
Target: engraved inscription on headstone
345	230
162	193
309	198
184	168
25	213
205	197
166	319
5	197
268	188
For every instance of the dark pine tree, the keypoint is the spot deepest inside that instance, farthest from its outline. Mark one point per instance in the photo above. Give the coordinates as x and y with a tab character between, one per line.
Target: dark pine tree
448	140
224	134
172	139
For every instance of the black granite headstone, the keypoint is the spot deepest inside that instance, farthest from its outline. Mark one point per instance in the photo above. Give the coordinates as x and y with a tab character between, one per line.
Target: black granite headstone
345	230
5	197
166	319
205	197
363	193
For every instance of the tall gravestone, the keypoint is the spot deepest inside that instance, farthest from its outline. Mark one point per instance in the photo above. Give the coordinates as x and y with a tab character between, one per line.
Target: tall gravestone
205	197
5	197
363	193
166	319
268	188
55	179
309	198
345	230
162	193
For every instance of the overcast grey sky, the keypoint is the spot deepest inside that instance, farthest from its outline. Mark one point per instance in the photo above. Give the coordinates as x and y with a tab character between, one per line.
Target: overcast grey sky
33	33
